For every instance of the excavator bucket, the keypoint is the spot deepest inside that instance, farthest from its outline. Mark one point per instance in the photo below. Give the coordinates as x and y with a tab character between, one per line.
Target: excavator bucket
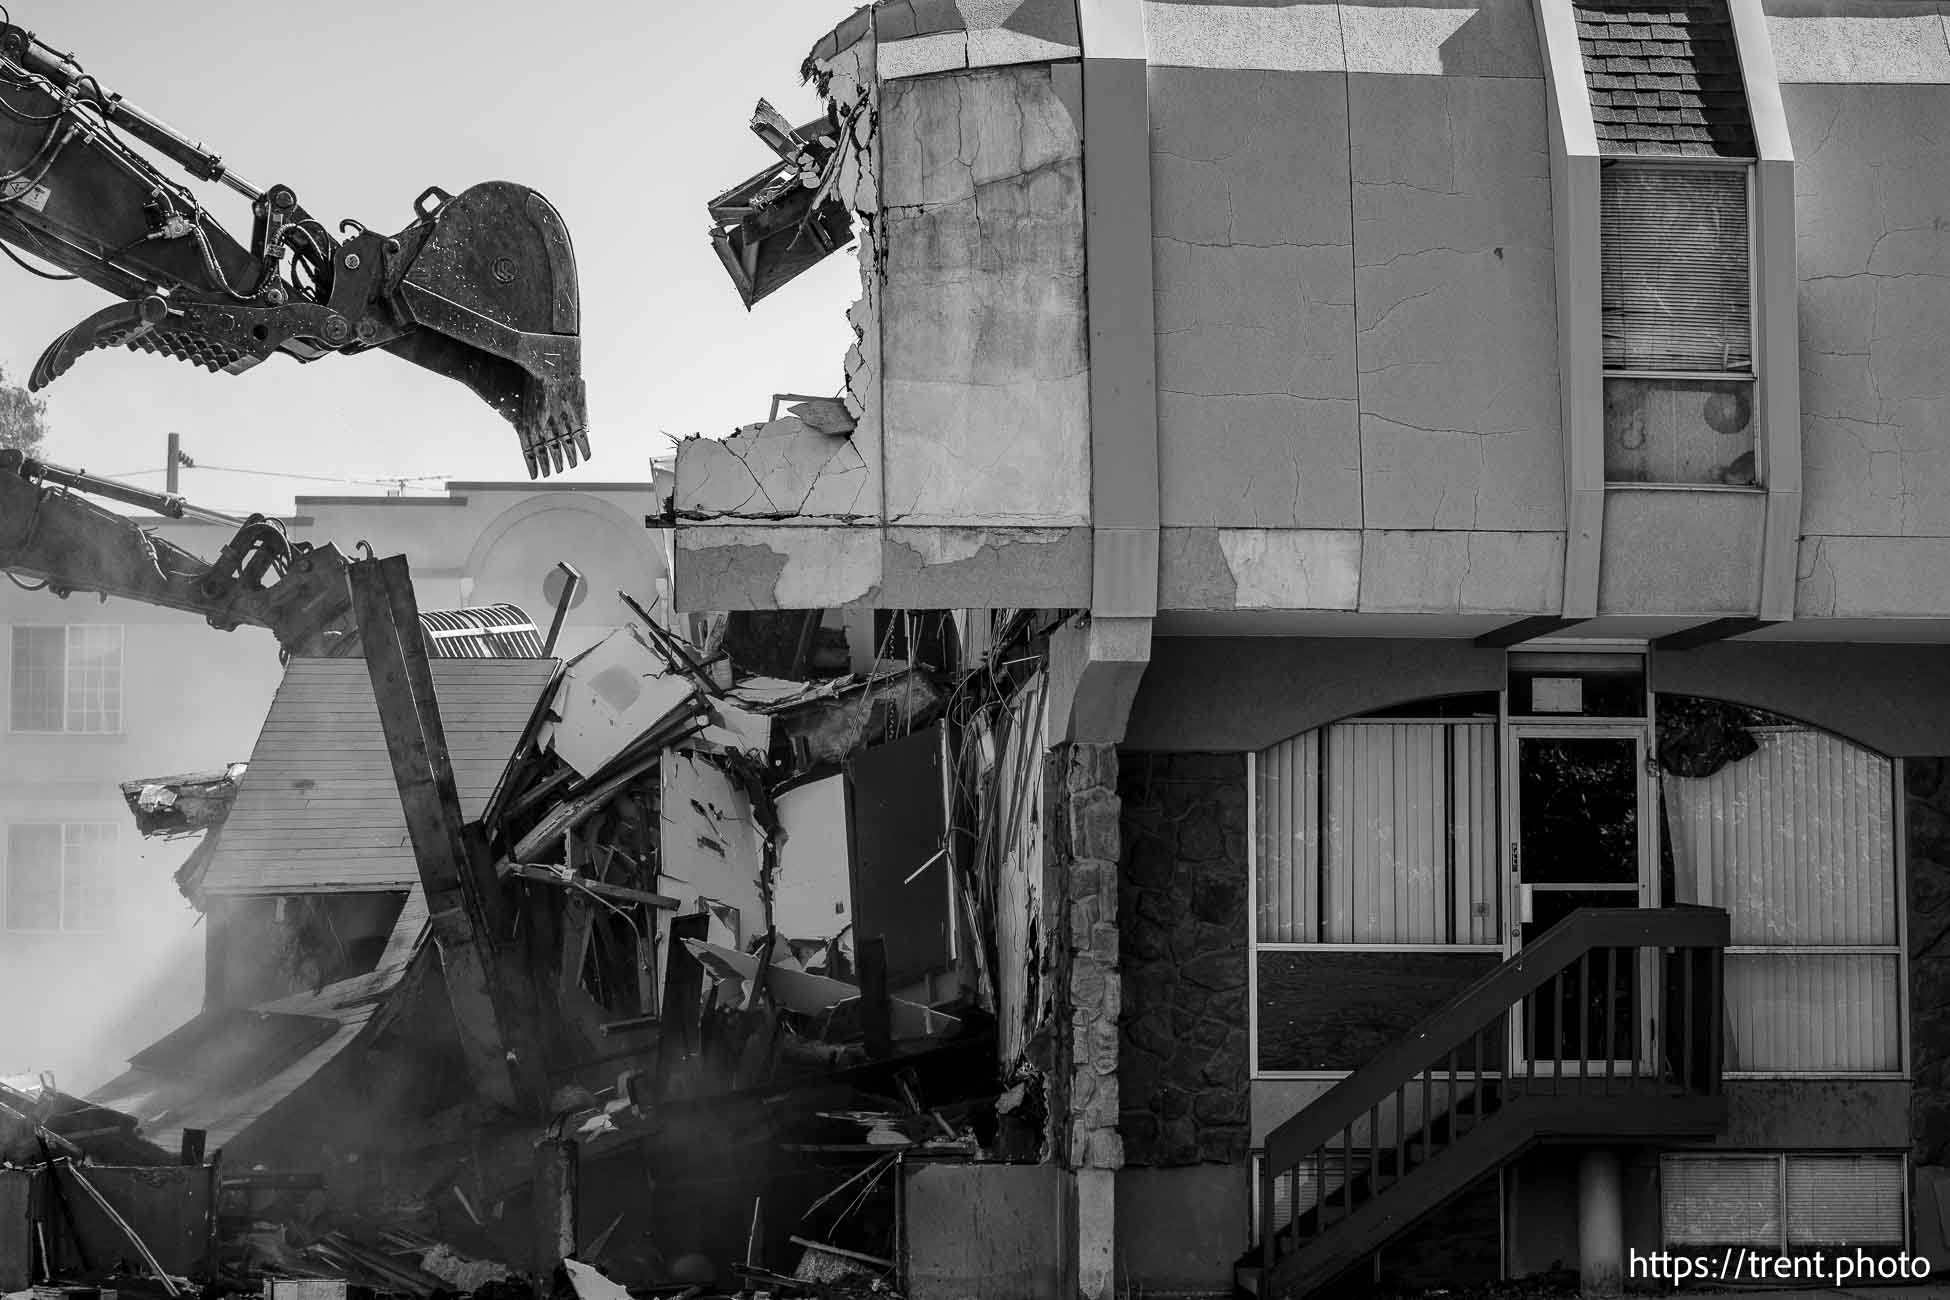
488	277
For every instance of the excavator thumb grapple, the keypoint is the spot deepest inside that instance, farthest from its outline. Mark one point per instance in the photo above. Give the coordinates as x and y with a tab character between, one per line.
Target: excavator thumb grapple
481	287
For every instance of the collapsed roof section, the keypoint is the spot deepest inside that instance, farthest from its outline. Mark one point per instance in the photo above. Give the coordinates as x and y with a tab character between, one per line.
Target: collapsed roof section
318	810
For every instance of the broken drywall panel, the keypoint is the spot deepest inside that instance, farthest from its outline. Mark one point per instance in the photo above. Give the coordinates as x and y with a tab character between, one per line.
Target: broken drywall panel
611	695
781	470
711	848
811	995
742	731
812	892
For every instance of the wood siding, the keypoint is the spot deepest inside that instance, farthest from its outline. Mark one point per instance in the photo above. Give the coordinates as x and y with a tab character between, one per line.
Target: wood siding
318	809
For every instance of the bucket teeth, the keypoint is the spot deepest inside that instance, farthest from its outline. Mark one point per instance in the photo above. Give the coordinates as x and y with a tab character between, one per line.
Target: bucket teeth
122	324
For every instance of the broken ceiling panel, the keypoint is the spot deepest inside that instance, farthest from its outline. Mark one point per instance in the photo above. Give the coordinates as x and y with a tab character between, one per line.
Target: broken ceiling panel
612	694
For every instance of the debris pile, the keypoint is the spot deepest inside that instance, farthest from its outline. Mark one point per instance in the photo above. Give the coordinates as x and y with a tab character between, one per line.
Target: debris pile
735	936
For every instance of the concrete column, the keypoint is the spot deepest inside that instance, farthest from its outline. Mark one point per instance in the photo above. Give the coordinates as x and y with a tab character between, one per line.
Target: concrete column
1096	1234
1601	1224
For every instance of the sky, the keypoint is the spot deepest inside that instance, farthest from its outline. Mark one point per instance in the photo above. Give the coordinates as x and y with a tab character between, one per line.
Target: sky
627	114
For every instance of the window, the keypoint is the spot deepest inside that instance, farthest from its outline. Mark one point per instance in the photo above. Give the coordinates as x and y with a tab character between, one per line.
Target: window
1678	323
1379	832
1783	1204
67	679
60	876
1793	833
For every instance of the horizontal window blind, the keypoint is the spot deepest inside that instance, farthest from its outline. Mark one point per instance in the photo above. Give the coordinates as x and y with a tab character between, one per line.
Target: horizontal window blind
1721	1200
1783	1202
1676	279
1852	1200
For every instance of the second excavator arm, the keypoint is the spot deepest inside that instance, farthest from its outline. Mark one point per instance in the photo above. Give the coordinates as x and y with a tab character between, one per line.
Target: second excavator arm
261	578
481	287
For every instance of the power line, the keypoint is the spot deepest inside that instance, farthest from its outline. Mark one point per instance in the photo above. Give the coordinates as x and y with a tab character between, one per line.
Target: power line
271	473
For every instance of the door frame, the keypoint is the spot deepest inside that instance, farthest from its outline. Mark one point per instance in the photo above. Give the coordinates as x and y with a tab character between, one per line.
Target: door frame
1641	731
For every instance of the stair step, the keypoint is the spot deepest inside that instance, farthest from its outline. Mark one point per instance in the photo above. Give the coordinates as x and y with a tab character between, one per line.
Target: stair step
1380	1212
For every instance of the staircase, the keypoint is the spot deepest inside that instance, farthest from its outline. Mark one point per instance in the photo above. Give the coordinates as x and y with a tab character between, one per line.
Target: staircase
1437	1109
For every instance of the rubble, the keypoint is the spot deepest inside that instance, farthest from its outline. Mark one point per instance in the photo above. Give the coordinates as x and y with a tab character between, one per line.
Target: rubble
745	928
183	805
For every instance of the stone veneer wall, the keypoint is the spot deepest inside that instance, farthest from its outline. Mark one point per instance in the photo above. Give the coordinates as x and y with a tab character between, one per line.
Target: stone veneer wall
1183	921
1088	976
1926	808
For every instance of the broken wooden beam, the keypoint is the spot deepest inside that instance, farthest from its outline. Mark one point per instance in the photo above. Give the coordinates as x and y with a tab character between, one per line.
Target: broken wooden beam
546	875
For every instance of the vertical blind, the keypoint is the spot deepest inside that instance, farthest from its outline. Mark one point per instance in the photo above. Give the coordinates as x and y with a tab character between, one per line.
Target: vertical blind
1675	256
1381	833
1797	843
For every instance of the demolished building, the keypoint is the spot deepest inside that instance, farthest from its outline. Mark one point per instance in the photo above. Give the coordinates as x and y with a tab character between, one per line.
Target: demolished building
1471	454
666	863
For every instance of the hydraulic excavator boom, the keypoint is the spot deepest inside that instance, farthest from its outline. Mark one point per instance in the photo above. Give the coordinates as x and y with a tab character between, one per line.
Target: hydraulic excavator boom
261	578
481	287
317	602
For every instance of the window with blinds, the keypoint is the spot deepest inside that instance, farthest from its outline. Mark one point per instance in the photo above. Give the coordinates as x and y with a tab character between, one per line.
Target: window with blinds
1797	841
1783	1204
1380	833
1677	285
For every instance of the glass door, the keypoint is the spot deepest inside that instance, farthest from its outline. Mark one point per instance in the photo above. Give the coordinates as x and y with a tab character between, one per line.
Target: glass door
1582	838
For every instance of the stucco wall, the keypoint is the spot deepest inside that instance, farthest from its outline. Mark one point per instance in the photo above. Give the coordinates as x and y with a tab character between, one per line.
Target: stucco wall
1873	251
485	543
1358	404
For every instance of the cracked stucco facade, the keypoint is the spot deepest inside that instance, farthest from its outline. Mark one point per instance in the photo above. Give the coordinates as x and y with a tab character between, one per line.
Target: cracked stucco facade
966	480
1357	366
1874	256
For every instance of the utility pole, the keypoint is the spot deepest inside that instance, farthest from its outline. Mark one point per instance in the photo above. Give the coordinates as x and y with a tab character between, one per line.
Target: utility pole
176	458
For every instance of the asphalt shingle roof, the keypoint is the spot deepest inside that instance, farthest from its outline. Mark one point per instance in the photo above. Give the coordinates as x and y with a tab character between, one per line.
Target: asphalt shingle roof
1664	78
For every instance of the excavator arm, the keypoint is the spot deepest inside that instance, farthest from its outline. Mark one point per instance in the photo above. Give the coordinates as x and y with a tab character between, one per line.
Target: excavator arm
481	287
261	578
